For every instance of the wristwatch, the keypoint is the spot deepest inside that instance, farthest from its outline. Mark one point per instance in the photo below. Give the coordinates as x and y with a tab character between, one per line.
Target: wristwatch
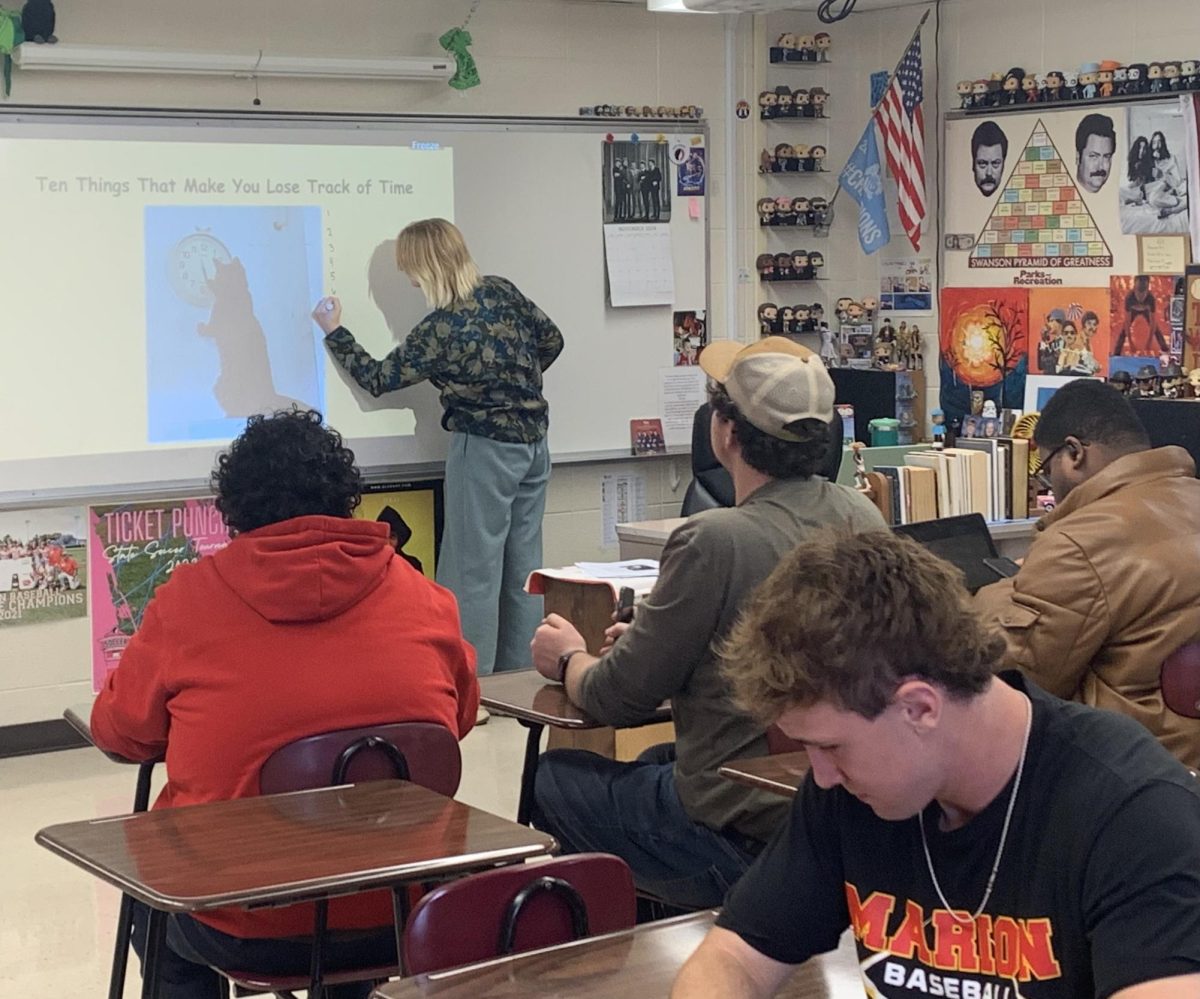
563	662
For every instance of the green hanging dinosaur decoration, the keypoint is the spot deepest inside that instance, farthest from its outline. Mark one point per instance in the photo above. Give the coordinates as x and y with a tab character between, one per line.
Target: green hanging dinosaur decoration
456	41
11	35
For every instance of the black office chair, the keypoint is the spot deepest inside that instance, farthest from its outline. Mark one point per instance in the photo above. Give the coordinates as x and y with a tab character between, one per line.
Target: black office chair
712	486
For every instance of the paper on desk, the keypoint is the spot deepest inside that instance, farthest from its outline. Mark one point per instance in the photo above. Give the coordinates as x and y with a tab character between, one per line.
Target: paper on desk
622	501
641	270
536	583
629	569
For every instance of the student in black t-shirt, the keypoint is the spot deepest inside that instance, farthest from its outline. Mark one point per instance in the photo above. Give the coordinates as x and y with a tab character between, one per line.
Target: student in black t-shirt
984	839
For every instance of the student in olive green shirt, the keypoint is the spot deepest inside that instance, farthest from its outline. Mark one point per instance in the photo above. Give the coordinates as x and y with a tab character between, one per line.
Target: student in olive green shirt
687	833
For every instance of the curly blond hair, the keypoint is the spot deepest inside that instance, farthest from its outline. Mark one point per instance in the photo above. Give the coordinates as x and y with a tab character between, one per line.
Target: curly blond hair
845	619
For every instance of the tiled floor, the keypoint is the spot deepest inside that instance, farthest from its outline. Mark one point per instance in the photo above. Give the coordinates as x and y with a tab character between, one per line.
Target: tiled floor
57	922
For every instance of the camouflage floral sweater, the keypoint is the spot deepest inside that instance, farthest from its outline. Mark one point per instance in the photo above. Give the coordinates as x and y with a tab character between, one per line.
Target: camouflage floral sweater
486	356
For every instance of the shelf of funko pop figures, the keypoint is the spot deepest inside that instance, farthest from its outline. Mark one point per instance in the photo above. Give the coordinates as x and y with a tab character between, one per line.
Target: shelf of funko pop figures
1082	102
802	63
816	231
795	119
791	280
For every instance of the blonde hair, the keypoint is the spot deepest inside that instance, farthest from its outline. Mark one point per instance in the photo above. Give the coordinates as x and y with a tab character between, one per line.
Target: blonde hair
434	254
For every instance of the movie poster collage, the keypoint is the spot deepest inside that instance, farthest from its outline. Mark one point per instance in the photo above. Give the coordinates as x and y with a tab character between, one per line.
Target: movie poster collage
1053	217
1019	345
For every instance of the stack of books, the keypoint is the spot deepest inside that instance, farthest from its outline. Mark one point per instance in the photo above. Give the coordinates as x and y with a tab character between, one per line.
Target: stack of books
988	476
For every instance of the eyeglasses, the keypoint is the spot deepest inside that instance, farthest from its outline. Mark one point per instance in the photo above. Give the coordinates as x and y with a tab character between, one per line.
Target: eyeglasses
1042	473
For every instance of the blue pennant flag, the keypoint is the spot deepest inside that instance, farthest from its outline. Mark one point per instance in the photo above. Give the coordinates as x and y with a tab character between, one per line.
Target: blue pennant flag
862	179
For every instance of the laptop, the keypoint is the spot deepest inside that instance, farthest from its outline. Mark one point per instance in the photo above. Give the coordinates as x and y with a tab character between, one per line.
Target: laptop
964	542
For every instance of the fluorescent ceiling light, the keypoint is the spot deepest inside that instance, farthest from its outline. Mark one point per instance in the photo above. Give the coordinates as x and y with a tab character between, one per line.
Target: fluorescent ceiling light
104	59
668	7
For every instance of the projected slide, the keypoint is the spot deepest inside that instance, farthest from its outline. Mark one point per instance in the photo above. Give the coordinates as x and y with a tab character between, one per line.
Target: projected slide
166	278
228	333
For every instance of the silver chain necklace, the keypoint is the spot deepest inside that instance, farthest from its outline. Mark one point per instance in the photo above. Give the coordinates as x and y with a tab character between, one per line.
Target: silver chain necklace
1012	800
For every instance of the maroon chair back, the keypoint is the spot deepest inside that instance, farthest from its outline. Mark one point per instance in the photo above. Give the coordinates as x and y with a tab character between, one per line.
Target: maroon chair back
778	743
1180	681
430	751
463	921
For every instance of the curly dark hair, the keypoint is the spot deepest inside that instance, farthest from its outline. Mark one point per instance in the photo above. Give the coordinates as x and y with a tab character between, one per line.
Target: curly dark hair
773	456
285	465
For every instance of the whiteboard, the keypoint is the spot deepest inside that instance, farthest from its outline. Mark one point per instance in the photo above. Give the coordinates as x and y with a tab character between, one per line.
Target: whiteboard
527	194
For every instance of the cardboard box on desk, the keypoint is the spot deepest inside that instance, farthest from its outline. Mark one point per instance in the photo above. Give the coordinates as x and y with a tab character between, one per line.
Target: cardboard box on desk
588	603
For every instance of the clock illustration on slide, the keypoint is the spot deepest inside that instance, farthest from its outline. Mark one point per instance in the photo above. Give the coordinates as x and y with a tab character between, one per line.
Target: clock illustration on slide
192	263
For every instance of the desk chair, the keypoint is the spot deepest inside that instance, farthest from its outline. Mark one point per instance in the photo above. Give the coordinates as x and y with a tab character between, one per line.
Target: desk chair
711	485
1180	681
421	752
519	908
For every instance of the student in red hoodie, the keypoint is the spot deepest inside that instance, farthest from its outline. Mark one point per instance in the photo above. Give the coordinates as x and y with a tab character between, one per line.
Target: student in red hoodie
306	623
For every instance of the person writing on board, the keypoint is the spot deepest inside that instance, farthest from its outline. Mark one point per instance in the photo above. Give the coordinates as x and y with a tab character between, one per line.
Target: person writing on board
485	346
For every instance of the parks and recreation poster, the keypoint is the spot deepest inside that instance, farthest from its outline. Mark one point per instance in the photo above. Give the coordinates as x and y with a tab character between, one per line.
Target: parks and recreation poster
43	562
132	549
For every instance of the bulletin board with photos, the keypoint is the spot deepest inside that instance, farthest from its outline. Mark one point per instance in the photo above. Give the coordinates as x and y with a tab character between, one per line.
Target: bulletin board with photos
1065	244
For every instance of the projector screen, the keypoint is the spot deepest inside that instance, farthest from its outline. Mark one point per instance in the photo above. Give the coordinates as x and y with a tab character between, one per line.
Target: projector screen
160	272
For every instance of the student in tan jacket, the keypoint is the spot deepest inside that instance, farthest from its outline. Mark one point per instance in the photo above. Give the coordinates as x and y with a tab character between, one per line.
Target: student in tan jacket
1111	586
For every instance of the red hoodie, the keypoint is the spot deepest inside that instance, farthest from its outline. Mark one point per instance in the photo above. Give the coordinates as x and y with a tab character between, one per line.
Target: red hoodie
305	626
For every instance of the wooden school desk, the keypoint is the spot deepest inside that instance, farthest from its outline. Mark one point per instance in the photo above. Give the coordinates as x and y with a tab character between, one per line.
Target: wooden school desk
645	538
782	773
639	962
536	703
589	606
285	848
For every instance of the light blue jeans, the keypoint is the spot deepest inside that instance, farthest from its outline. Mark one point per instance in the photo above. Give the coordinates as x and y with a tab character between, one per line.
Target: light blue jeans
492	541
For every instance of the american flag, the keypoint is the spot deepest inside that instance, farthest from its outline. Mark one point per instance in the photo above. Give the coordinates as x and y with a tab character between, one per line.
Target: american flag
903	126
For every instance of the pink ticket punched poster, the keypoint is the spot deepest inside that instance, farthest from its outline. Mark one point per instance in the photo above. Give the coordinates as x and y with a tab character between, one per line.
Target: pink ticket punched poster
132	549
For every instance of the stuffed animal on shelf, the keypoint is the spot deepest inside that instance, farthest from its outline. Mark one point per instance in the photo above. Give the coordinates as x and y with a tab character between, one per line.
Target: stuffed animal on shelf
37	20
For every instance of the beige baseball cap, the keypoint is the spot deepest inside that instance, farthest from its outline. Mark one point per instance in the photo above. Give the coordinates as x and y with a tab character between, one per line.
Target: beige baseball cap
774	382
